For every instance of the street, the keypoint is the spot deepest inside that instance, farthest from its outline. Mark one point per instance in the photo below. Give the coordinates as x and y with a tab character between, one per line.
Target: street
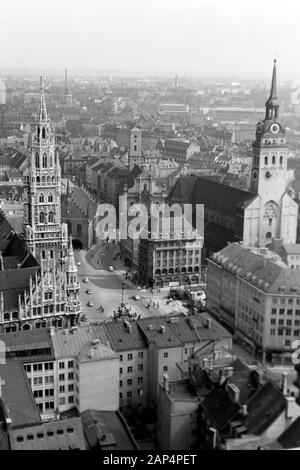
106	286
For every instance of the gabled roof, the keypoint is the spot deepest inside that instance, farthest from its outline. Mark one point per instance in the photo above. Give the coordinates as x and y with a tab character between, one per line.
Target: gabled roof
290	438
121	339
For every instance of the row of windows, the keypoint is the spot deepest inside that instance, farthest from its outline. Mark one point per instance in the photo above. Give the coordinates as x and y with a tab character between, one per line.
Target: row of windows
273	160
48	392
129	393
42	197
282	311
62	388
62	400
129	381
130	368
288	322
177	270
44	160
38	381
62	377
39	366
130	356
44	219
70	364
283	300
284	331
41	435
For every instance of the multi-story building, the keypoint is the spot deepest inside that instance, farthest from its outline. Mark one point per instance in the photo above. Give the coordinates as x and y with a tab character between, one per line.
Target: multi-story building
179	150
167	260
125	338
67	368
257	296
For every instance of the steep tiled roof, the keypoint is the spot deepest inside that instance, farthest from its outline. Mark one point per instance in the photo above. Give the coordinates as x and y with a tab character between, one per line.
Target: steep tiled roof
17	395
69	343
121	339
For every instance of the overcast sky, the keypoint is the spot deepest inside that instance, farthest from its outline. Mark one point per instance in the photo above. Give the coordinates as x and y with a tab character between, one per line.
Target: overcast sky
202	37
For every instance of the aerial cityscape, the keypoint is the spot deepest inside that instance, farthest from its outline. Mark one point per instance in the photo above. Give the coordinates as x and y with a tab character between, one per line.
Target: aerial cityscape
149	234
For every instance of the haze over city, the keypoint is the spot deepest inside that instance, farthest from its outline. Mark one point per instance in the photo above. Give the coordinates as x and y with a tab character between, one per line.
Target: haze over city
205	38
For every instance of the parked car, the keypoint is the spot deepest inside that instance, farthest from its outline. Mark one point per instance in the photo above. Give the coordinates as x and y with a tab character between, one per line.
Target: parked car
110	268
85	280
137	297
88	291
78	263
84	317
90	304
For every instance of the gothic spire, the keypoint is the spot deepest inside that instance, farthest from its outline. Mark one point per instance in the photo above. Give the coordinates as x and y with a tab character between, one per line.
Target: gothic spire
42	109
272	105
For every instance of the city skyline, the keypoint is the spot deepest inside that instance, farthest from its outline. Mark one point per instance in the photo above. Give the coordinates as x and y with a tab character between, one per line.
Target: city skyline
223	39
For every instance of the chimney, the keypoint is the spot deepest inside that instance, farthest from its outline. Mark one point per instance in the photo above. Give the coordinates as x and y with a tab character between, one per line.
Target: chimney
129	328
208	323
91	353
244	410
233	393
166	383
291	409
284	383
162	329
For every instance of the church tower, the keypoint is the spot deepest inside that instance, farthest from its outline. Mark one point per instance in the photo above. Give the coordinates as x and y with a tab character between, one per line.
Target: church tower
135	156
68	94
268	178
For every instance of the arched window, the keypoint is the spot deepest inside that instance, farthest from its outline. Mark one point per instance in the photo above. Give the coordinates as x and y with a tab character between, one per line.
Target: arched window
79	230
268	235
43	179
48	180
51	254
266	160
53	179
51	217
6	317
50	197
26	327
43	254
41	197
37	179
42	218
273	160
37	160
44	160
51	159
15	315
281	160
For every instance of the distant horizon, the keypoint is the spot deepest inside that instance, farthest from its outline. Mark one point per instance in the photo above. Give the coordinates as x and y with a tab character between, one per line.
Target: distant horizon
196	38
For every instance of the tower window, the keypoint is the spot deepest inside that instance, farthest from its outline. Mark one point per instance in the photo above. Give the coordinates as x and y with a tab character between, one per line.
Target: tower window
266	160
44	160
41	197
50	197
281	160
51	217
135	148
37	160
43	254
51	252
270	221
43	133
42	218
51	160
268	235
273	160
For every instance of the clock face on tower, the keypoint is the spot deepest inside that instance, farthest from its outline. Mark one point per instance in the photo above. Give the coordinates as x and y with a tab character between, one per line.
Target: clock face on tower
275	128
268	175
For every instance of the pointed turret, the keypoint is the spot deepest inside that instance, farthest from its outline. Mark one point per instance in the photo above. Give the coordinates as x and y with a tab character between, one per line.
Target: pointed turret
272	104
42	109
70	264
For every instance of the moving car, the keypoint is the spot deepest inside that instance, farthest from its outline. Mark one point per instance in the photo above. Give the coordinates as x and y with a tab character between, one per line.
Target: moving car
110	268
